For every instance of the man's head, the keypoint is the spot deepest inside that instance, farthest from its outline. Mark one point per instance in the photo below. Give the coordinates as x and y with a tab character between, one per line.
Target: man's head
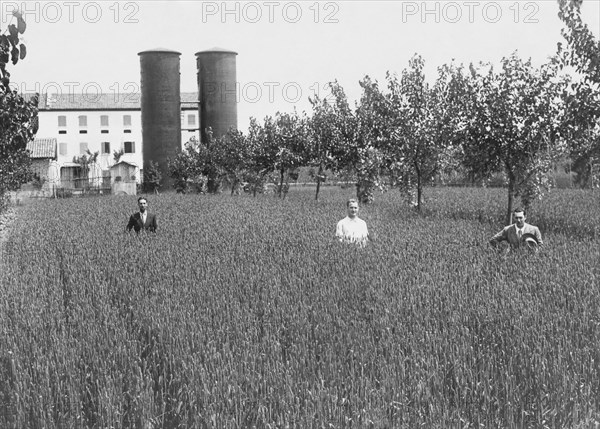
142	204
519	217
352	206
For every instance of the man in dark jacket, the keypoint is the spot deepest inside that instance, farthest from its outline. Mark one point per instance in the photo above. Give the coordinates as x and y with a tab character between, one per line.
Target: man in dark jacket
142	219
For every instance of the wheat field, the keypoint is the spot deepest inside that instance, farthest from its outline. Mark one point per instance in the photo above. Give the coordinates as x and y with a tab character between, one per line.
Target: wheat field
245	312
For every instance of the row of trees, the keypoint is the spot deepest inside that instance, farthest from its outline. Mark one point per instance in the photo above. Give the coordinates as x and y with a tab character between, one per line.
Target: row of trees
475	120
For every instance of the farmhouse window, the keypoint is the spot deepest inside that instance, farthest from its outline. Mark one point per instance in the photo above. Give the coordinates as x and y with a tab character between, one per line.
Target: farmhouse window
129	147
105	147
83	121
104	121
62	121
83	147
127	120
62	148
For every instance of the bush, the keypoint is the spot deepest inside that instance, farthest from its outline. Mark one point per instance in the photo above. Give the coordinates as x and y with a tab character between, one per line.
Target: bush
152	177
64	193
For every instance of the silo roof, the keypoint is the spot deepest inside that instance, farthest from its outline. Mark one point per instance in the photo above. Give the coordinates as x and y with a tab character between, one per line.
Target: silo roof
159	51
216	50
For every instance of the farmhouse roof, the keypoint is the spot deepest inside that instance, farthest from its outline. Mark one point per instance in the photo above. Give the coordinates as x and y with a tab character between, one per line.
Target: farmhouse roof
42	148
96	101
124	162
189	100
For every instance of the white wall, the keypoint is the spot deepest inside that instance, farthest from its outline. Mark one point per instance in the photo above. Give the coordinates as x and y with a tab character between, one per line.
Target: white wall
116	136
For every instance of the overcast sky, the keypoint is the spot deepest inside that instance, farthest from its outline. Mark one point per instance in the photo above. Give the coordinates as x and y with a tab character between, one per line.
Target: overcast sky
287	50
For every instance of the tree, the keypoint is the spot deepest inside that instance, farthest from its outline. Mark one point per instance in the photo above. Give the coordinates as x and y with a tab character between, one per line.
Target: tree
187	167
209	169
355	148
18	117
324	136
263	152
421	127
231	157
291	142
369	152
513	121
87	161
582	52
118	154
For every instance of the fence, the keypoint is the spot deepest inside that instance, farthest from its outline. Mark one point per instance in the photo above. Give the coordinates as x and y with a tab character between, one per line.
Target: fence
73	187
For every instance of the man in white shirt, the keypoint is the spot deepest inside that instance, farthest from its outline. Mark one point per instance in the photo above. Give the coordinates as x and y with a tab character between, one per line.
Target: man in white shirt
352	229
518	232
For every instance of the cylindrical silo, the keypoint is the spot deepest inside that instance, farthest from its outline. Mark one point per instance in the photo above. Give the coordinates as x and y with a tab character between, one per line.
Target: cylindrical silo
161	109
217	91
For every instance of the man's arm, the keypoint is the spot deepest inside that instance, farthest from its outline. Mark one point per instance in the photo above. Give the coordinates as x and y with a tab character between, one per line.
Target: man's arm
538	236
501	236
131	222
366	232
154	224
339	232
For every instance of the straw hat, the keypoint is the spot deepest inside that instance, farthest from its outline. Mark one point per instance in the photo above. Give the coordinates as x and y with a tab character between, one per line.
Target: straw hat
530	241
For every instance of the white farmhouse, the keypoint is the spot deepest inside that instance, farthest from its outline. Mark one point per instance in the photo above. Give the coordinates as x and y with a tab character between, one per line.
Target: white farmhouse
107	124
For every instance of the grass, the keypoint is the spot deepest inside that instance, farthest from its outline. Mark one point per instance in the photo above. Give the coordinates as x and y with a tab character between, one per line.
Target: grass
245	312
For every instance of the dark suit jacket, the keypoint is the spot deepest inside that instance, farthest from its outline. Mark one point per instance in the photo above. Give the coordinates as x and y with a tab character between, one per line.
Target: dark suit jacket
135	222
509	233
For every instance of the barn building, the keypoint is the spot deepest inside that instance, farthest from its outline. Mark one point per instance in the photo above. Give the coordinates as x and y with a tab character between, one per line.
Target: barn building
106	124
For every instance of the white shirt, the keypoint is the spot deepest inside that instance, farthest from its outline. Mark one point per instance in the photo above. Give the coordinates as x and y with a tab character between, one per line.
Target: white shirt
352	230
143	216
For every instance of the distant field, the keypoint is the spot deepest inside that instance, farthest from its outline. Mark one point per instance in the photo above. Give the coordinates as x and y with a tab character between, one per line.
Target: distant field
245	312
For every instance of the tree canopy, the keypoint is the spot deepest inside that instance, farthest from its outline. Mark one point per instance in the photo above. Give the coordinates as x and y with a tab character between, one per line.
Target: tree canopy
18	116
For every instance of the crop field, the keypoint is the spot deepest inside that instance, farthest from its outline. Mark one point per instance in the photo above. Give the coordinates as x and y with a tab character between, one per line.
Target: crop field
245	312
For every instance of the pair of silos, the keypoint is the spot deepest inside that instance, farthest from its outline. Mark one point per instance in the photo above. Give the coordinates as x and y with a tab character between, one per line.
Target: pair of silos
161	102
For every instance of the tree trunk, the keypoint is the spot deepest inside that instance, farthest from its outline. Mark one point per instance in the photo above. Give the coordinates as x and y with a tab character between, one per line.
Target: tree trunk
212	182
419	193
419	186
511	198
212	186
281	174
364	191
319	181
